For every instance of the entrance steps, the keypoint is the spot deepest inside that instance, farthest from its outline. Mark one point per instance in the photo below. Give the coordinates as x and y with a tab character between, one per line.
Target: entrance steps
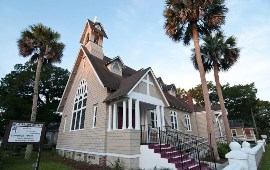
180	161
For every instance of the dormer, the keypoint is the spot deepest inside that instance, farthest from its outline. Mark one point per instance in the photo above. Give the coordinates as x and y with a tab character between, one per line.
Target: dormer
116	65
92	38
172	90
160	82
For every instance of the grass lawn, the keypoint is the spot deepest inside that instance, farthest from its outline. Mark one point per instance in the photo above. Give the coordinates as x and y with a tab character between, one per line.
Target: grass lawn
49	161
46	163
265	164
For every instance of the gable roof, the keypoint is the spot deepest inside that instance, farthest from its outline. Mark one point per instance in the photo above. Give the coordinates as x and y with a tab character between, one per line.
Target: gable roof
168	87
105	76
92	26
115	59
126	85
108	79
177	103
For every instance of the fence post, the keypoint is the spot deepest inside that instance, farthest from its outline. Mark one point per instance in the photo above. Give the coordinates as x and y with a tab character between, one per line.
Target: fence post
236	156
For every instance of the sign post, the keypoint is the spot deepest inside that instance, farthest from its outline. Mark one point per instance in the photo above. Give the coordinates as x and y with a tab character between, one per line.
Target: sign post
25	132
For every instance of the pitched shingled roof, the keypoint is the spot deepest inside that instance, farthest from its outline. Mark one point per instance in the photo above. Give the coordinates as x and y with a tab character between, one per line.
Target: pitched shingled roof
108	79
177	103
93	24
126	85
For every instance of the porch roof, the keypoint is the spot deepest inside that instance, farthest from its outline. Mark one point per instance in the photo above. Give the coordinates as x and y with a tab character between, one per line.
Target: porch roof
126	85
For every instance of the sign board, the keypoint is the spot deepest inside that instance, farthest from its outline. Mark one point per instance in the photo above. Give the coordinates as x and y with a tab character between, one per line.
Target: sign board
24	132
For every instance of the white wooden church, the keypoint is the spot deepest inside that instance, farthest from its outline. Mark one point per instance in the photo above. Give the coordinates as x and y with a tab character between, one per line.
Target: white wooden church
110	111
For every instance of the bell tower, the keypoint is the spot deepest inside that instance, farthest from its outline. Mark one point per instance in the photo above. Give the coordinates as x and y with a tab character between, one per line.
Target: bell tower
92	38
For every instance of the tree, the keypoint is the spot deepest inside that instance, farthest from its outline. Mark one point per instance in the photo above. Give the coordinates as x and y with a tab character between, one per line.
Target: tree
262	116
218	54
42	44
239	99
191	19
197	93
16	90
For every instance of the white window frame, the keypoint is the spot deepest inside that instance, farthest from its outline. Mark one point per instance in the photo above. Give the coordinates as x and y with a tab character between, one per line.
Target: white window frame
188	122
234	131
94	116
174	120
79	107
153	118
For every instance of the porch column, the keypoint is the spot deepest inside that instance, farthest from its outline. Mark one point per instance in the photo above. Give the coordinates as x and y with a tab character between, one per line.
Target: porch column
158	116
130	113
110	118
163	124
137	114
124	126
114	115
146	125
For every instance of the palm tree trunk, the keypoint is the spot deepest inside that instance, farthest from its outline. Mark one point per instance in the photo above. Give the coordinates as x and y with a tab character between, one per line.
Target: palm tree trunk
29	147
209	115
222	105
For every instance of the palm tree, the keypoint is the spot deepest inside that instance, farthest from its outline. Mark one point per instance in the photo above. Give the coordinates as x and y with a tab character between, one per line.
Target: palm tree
187	19
41	43
218	54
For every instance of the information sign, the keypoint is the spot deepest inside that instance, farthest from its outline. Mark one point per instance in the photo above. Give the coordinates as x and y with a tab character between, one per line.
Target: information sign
25	132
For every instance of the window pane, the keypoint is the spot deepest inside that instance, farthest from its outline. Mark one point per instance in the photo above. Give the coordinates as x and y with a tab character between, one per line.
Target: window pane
80	104
82	119
75	106
84	102
175	122
73	121
78	119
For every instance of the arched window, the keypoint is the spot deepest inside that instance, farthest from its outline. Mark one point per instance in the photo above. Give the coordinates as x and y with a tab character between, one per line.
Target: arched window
79	108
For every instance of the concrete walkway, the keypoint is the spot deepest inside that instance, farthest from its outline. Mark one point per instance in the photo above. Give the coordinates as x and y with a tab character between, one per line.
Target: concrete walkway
221	166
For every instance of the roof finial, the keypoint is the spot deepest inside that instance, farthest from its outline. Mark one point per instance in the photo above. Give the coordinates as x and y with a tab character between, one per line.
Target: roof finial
95	19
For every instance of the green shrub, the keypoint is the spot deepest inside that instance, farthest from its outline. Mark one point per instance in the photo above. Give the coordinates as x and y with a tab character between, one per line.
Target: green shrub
223	149
117	165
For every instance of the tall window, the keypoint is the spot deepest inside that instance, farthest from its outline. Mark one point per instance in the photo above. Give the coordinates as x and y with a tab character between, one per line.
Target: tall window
187	121
95	116
79	107
174	120
153	119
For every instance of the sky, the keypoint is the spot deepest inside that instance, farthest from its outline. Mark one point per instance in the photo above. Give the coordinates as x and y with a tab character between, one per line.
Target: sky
135	33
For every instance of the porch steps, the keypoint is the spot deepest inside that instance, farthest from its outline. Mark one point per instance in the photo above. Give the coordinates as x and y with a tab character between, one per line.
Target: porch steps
181	161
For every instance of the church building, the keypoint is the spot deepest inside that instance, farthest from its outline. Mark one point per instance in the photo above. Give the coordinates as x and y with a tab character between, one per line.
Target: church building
109	108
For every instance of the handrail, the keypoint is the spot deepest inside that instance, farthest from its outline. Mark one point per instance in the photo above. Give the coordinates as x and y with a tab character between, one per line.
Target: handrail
196	147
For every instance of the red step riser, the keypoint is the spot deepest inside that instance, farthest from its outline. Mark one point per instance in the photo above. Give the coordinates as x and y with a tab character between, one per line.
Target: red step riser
177	161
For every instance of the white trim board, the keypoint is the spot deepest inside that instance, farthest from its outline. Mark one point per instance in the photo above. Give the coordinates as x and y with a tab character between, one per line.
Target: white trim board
145	98
103	154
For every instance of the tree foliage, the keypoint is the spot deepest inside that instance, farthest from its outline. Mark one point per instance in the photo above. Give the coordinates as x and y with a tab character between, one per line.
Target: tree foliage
16	91
239	101
197	93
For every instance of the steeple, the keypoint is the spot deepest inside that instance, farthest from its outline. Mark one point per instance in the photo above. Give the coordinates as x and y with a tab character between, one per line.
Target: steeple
92	38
